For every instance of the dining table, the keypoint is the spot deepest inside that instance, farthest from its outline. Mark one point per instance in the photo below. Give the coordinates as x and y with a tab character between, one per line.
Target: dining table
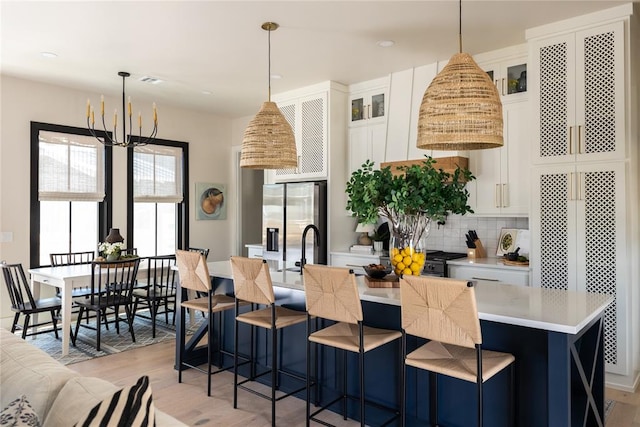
66	278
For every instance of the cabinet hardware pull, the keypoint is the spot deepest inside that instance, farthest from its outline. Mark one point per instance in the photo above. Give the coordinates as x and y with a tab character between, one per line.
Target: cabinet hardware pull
503	92
485	279
570	185
570	139
369	111
496	196
505	200
580	184
579	139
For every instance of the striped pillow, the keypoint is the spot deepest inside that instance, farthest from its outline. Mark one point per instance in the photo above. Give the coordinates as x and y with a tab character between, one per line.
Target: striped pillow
130	407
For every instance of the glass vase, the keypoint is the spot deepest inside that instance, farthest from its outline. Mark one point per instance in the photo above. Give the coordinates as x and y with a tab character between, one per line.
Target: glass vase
406	247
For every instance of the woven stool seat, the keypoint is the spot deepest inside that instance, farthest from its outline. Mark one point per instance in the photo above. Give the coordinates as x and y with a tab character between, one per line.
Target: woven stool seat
346	337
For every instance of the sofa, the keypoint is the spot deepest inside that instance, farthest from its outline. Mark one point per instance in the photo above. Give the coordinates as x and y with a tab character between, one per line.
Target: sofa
55	393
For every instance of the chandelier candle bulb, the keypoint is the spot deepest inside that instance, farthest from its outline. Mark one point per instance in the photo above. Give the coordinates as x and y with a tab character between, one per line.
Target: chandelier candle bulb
93	119
140	121
129	106
115	120
88	108
102	105
155	114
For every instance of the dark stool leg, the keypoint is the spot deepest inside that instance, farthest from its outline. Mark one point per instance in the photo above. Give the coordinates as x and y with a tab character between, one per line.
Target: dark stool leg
344	384
433	394
235	358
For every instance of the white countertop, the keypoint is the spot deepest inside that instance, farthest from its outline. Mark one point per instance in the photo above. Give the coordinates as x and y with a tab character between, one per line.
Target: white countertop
547	309
487	263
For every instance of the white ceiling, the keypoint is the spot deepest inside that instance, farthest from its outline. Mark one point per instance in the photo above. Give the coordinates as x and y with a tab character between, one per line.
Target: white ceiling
218	46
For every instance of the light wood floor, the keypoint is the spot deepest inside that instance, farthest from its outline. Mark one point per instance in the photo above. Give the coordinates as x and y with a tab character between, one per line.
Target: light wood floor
189	403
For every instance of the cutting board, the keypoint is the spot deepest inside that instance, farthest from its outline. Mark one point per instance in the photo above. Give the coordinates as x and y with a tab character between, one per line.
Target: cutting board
389	281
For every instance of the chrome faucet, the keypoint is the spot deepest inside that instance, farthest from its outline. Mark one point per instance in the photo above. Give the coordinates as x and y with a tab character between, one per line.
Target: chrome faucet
316	242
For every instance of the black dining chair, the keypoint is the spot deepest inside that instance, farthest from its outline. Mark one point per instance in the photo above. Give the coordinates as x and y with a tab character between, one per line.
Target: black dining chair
159	289
22	301
111	288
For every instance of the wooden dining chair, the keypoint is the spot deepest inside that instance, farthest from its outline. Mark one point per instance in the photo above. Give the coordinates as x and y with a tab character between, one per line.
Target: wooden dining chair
111	288
23	303
444	311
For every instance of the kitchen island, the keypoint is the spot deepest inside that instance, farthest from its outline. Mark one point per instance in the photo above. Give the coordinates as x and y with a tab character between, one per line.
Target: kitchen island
556	337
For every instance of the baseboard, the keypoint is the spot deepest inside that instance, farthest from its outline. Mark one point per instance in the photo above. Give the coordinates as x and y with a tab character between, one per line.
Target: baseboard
627	383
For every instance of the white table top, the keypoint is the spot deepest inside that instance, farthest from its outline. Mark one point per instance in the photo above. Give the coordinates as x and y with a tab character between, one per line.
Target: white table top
532	307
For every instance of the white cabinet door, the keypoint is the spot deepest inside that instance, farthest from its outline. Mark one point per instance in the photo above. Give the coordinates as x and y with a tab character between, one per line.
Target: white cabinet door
308	119
581	243
579	95
502	174
366	143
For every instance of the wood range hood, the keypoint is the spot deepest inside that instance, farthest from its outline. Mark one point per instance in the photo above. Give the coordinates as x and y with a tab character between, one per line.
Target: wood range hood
448	164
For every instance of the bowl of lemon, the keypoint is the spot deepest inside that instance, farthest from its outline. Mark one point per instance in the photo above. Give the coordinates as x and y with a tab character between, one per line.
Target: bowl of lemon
407	261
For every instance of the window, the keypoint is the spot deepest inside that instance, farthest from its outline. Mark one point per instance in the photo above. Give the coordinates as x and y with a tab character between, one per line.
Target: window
68	196
158	197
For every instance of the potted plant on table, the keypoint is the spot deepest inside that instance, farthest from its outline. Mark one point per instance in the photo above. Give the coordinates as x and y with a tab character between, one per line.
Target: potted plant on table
410	201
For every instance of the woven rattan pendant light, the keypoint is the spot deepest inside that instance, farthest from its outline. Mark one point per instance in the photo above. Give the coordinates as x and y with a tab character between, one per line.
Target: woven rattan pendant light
461	108
268	141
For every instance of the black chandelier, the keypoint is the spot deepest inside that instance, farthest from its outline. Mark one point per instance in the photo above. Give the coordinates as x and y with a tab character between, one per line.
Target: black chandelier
126	142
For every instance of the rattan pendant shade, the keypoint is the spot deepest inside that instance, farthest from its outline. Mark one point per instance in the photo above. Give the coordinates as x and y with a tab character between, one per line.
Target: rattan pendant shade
461	108
268	141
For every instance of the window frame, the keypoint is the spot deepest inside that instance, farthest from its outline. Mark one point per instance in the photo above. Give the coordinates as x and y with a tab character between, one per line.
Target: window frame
105	208
182	213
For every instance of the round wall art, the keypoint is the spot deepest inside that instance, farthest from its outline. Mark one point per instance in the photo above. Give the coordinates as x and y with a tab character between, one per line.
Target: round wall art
210	201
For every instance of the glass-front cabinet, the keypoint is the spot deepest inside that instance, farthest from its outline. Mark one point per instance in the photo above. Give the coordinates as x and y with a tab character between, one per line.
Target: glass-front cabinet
368	106
510	77
368	102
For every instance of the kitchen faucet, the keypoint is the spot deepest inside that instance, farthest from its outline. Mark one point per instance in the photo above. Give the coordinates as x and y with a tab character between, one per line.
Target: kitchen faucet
316	242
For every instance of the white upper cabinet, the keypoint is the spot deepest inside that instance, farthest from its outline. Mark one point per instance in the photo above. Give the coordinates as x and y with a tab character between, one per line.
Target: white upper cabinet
509	77
502	181
579	95
369	109
308	110
369	102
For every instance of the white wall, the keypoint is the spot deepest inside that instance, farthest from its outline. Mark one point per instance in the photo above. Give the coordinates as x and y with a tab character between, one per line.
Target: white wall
23	101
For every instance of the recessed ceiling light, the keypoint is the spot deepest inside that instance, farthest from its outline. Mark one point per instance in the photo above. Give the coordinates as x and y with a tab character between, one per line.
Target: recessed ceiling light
206	92
48	54
151	80
385	43
276	76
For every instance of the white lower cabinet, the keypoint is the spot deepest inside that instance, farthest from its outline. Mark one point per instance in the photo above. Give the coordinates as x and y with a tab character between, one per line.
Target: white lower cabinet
580	241
507	275
353	261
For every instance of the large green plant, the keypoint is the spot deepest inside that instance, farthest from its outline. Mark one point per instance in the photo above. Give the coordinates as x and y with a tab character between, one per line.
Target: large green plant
421	189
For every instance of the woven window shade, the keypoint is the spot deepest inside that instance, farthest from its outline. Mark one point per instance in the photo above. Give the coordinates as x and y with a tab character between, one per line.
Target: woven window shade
461	109
268	141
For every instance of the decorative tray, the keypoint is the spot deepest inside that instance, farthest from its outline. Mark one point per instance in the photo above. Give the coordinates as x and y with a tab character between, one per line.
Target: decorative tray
390	281
518	263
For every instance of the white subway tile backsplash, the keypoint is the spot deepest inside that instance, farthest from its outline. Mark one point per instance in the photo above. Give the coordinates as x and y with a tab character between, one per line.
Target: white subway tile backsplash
450	237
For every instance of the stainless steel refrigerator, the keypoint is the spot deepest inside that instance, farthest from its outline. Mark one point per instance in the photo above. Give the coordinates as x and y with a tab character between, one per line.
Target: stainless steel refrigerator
286	210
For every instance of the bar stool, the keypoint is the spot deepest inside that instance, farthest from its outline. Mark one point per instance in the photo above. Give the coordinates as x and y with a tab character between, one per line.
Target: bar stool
252	284
332	293
194	275
444	311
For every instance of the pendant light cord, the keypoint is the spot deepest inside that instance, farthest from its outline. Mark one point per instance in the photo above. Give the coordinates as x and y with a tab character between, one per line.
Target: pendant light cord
269	68
460	26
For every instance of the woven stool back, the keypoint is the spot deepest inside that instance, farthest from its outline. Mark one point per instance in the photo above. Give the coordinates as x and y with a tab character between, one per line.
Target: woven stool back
440	309
332	293
193	271
251	280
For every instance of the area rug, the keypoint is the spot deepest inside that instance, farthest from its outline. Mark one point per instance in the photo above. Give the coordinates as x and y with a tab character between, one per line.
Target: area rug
110	341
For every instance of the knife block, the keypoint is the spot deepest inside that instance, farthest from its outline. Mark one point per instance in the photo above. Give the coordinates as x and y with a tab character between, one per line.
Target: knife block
478	251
